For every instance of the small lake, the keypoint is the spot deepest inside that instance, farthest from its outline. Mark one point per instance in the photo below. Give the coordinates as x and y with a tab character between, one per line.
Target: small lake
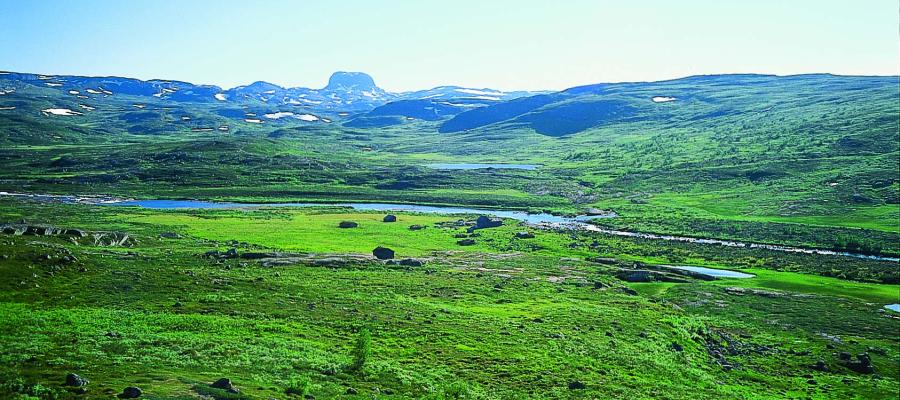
483	166
718	273
893	307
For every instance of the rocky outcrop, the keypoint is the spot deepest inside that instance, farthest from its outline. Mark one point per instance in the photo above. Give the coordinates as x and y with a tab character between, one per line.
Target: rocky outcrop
120	239
484	222
225	384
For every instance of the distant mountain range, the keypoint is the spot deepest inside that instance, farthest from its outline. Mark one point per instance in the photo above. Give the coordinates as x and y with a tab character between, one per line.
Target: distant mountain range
352	99
350	92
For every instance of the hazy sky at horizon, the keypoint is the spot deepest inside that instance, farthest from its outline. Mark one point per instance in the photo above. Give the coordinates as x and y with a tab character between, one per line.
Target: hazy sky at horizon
406	45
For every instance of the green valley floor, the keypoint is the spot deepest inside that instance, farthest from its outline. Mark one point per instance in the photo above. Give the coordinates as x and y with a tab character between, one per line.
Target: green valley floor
286	304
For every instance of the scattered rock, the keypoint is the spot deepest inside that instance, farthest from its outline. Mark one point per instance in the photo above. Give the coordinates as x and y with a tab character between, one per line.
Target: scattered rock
75	380
258	255
629	291
411	262
131	392
225	384
231	253
351	390
416	227
466	242
677	347
757	292
119	239
524	235
348	224
383	253
169	235
820	366
577	385
389	218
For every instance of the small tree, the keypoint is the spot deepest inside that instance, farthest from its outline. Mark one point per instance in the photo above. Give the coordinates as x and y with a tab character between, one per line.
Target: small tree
361	350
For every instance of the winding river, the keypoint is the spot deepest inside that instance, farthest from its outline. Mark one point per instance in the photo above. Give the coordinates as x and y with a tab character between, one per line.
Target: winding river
539	219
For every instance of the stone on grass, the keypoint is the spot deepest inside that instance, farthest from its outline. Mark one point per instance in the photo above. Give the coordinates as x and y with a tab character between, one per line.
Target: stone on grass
75	380
383	253
224	384
131	392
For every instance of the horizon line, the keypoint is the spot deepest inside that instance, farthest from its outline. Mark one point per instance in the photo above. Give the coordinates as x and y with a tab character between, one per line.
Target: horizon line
460	86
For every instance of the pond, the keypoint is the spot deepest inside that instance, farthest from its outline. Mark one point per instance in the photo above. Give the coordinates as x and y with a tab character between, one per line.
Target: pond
483	166
718	273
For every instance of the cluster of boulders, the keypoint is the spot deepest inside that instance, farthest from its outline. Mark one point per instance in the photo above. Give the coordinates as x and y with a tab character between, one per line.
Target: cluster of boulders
384	253
862	364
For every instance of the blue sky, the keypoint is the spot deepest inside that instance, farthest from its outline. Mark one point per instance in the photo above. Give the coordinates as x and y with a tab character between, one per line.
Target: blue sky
417	44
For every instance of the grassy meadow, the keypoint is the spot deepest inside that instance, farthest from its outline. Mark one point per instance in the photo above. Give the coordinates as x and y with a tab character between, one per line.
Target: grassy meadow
504	318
